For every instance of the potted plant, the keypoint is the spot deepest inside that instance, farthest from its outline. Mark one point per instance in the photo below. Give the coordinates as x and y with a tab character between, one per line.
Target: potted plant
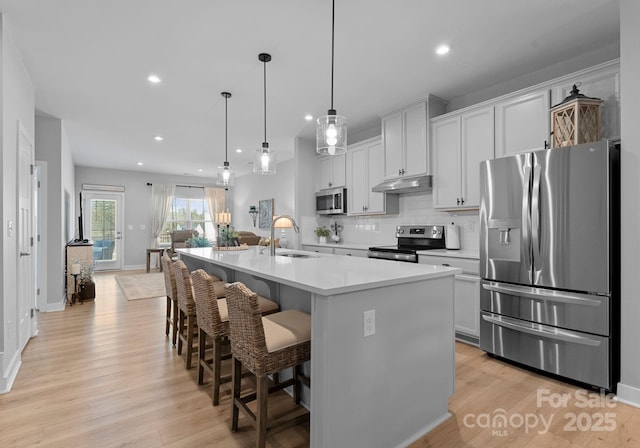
228	237
198	241
322	233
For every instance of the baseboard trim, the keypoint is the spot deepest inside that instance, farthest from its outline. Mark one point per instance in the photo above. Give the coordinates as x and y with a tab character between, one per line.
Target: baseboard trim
57	306
424	431
10	374
134	267
628	395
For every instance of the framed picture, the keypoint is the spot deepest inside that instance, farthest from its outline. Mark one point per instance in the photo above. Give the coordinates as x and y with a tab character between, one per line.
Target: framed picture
265	213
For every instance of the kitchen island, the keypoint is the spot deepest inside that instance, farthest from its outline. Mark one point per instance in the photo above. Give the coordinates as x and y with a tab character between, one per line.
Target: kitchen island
382	390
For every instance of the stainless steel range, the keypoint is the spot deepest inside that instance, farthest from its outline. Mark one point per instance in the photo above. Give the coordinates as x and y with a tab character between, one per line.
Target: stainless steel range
411	239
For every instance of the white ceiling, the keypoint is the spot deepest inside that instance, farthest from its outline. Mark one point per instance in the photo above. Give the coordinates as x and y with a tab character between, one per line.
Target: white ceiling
89	59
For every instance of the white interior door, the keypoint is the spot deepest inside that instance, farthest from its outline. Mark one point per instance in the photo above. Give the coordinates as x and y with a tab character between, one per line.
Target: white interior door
104	221
26	269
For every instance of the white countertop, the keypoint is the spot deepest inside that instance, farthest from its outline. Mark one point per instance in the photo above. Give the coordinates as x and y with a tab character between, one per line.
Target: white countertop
321	273
356	246
462	253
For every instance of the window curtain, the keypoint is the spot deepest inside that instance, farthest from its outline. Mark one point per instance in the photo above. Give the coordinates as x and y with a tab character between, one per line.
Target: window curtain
161	198
215	201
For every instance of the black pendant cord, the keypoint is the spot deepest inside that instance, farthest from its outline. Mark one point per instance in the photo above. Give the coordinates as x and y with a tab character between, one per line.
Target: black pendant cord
333	20
226	129
264	63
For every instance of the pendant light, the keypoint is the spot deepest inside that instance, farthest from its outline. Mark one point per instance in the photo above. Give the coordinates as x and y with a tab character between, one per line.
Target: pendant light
225	173
264	161
331	135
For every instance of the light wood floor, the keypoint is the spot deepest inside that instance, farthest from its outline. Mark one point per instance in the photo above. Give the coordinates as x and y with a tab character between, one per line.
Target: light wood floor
102	374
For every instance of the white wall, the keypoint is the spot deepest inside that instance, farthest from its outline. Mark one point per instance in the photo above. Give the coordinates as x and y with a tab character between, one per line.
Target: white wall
579	62
17	97
251	188
629	387
50	149
137	204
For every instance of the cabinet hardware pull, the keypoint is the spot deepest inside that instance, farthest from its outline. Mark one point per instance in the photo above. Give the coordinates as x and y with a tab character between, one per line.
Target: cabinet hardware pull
458	201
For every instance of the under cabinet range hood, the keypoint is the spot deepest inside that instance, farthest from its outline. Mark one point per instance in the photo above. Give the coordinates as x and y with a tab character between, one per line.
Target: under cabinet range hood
413	184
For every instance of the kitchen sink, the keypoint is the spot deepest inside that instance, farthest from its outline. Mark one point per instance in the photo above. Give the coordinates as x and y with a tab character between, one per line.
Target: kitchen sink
296	255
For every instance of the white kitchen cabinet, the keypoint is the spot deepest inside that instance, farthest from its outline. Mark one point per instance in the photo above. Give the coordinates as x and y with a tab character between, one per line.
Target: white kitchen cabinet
365	170
466	295
459	143
522	123
601	82
405	138
331	172
319	249
351	252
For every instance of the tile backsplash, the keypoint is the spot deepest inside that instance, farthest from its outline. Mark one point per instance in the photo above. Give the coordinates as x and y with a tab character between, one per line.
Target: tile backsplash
415	209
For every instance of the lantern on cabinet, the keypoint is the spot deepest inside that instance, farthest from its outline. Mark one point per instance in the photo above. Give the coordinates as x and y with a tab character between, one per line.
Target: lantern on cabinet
575	120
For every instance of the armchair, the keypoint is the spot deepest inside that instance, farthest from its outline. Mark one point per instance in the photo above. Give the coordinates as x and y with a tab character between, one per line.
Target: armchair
179	240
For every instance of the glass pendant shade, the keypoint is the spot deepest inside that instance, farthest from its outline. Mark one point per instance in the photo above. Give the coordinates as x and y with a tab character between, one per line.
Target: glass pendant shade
226	175
331	134
264	160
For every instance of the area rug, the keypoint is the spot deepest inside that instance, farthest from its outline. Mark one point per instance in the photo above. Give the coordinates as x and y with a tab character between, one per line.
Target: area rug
142	286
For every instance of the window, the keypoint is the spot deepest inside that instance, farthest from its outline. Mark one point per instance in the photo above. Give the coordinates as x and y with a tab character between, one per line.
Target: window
188	213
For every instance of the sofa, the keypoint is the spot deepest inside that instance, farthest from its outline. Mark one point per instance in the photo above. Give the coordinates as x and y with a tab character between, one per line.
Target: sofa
248	238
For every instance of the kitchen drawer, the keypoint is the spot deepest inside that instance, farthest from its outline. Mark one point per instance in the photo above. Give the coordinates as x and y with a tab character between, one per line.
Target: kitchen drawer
353	252
468	266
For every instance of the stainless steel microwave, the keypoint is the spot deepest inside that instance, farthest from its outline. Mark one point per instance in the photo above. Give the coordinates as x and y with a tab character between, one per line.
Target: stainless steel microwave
331	202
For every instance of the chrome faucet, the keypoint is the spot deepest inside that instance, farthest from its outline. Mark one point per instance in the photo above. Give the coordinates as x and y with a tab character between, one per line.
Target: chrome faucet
273	223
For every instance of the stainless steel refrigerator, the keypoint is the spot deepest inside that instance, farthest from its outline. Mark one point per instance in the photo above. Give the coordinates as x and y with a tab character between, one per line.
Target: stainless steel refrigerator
549	261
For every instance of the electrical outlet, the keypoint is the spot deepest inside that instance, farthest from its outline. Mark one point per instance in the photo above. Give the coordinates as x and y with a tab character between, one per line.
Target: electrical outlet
369	323
470	226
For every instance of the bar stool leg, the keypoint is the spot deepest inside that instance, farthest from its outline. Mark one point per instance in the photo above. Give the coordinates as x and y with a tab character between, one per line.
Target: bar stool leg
190	328
180	330
202	339
217	367
175	321
168	324
236	377
262	389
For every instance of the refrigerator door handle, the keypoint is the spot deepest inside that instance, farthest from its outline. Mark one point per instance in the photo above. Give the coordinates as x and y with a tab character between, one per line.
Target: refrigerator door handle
526	218
535	218
539	294
541	330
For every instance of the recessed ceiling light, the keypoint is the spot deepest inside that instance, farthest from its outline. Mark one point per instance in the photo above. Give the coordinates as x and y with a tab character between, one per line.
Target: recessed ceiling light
238	150
443	49
308	117
158	138
155	79
200	169
140	163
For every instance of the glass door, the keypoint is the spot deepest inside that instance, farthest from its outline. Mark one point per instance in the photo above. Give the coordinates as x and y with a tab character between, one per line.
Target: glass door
103	219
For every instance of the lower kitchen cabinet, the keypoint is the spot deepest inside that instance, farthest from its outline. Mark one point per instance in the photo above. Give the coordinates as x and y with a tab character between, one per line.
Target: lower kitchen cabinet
319	249
466	295
352	252
336	250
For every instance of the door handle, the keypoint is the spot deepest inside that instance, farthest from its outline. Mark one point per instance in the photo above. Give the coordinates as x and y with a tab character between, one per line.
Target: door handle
25	254
541	331
535	216
539	294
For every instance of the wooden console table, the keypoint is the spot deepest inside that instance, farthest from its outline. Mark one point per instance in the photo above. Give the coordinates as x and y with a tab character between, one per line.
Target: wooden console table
158	251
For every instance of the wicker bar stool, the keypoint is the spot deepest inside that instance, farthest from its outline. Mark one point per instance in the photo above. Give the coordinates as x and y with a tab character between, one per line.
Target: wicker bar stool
213	321
264	346
187	309
172	297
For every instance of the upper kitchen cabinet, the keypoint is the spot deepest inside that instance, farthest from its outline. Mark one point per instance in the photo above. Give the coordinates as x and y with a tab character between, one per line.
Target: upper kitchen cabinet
331	172
364	170
601	82
459	142
522	123
405	138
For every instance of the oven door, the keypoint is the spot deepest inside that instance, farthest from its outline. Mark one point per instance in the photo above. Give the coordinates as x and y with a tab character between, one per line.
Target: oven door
391	255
